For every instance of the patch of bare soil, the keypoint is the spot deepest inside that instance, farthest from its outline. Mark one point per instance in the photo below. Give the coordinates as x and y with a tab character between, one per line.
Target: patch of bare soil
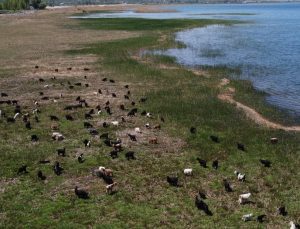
227	95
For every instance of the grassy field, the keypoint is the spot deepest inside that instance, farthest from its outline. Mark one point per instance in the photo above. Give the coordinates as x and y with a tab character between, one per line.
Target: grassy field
144	198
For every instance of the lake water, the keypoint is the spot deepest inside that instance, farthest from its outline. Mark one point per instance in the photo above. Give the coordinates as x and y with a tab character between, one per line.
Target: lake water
267	50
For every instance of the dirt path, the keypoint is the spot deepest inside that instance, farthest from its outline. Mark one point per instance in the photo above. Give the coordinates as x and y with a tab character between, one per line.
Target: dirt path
227	96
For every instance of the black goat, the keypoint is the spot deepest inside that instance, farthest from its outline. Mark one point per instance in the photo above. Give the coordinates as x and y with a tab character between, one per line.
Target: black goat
172	180
81	193
201	205
69	117
261	218
87	125
126	96
193	130
3	94
113	95
87	143
227	186
105	124
22	170
57	168
215	164
132	137
202	162
122	107
61	152
44	161
132	112
266	163
282	211
114	154
130	155
112	81
28	125
34	138
80	158
240	146
53	118
93	131
41	176
215	138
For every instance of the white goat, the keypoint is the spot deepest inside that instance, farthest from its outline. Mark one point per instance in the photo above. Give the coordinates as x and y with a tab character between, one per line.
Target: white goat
137	130
241	177
110	187
115	123
149	115
188	172
247	217
16	115
244	198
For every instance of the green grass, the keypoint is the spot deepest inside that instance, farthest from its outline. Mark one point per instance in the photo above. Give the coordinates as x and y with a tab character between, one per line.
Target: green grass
144	198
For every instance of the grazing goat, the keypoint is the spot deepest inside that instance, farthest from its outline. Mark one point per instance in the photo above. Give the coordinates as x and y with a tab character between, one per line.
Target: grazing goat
244	198
105	124
266	163
80	158
126	86
57	168
130	155
22	170
81	193
215	164
61	152
215	138
188	172
240	177
172	180
86	69
57	136
41	176
143	113
202	162
193	130
87	143
240	146
34	138
201	205
261	218
282	211
227	186
132	137
16	115
147	125
247	217
110	188
132	103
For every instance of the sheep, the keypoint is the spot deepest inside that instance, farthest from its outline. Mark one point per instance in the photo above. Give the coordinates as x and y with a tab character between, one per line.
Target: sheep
193	130
274	140
260	218
57	168
81	193
57	136
227	186
266	163
22	170
240	146
80	158
240	177
115	123
172	180
202	162
41	176
282	211
215	164
244	198
137	130
153	140
87	143
247	217
132	137
188	172
201	205
110	188
215	138
294	225
130	155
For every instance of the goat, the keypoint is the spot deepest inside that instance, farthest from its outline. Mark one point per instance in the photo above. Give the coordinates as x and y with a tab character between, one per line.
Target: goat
34	138
132	137
240	146
122	107
114	154
132	112
153	141
274	140
202	195
112	81
4	94
247	217
69	117
147	125
227	186
87	143
44	161
143	113
22	170
188	172
294	225
87	125
137	130
115	123
113	95
126	86
172	180
10	120
215	164
104	136
61	152
108	110
88	116
215	138
110	188
57	136
93	131
77	84
80	158
193	130
107	142
130	155
162	119
143	99
28	125
282	211
16	115
240	177
41	175
36	67
81	193
104	79
53	118
201	205
57	168
123	119
105	124
149	115
56	70
69	69
266	163
202	162
132	103
86	69
260	218
244	198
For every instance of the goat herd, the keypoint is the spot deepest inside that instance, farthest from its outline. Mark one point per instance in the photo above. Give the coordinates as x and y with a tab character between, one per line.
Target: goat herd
116	144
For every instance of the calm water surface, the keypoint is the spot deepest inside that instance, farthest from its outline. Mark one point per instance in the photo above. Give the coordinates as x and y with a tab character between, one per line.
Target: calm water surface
267	50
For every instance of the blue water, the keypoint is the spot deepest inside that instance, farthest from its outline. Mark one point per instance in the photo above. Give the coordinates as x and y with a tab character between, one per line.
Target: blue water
267	49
